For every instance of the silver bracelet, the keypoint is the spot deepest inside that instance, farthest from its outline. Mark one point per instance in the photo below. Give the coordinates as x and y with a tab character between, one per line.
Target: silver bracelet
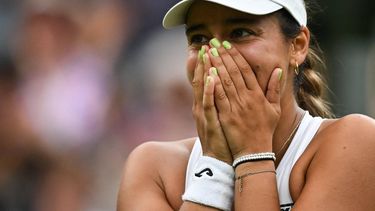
254	157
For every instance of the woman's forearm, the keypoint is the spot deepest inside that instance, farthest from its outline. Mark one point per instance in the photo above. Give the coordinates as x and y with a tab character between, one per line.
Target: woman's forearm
256	187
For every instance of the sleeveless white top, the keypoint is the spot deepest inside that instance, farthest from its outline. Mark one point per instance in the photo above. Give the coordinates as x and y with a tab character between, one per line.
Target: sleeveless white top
305	133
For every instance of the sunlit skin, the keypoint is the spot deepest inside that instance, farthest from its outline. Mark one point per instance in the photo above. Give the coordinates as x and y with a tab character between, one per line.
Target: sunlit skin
334	172
259	40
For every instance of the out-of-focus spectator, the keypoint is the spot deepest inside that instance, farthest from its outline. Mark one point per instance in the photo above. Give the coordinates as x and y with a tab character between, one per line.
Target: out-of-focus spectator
67	72
27	168
150	13
68	92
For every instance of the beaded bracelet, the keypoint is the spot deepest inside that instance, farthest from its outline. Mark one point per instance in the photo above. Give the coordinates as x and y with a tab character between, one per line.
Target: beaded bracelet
254	157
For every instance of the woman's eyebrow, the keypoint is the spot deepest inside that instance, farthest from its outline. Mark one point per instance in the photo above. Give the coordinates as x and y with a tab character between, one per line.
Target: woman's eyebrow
197	27
193	28
241	21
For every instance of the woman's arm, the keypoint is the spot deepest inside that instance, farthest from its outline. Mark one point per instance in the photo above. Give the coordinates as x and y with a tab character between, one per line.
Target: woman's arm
141	186
154	177
341	175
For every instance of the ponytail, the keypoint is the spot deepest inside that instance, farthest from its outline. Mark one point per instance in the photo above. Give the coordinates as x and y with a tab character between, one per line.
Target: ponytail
310	86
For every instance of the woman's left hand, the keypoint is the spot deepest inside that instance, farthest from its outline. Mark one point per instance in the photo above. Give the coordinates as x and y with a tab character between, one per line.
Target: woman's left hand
247	115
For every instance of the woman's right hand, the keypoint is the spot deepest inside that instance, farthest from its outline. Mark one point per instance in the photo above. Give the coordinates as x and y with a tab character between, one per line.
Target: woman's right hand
205	114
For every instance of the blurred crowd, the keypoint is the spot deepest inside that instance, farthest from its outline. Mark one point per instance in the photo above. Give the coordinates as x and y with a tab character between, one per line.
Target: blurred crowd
82	84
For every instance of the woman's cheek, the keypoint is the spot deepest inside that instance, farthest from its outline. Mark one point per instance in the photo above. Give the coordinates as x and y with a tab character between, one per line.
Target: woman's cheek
191	64
262	63
256	62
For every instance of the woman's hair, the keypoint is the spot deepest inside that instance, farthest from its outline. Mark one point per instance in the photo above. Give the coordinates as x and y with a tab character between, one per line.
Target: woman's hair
310	86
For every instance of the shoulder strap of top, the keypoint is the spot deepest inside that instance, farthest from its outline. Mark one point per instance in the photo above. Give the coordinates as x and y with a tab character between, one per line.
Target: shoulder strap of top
305	133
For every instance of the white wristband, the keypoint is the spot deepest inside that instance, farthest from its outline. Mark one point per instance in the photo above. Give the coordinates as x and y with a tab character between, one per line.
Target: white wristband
212	184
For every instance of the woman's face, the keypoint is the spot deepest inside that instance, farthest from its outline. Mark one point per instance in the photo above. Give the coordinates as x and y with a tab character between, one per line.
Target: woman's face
257	38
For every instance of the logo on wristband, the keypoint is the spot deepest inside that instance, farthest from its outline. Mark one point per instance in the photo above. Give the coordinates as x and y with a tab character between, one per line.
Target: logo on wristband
206	170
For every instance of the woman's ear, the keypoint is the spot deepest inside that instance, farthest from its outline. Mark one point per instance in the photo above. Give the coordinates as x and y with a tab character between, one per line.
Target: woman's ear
300	47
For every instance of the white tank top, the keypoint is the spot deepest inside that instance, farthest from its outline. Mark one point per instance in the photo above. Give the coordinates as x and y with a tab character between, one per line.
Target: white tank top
305	133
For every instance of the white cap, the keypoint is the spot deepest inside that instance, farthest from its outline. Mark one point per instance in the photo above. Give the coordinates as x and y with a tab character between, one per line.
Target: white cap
177	14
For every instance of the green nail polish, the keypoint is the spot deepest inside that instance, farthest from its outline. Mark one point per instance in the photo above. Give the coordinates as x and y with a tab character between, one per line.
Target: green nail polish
201	52
280	74
213	70
204	58
227	45
214	52
208	81
215	42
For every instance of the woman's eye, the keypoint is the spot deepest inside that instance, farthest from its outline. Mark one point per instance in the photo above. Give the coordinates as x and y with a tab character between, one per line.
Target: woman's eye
198	40
240	33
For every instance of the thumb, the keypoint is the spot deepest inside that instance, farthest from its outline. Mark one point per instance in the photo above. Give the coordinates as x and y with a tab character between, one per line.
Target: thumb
273	88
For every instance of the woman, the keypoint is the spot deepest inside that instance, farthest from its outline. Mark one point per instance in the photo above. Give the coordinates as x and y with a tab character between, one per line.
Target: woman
265	140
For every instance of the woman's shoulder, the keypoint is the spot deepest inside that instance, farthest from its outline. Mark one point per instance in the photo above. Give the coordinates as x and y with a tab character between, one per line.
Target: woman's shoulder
347	138
356	127
155	149
342	156
155	171
158	156
338	171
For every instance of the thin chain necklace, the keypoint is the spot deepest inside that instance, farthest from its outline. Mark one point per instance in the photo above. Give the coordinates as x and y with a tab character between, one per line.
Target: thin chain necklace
291	135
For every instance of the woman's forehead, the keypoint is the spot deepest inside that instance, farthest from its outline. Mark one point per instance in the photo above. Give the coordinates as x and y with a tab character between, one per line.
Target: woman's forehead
203	12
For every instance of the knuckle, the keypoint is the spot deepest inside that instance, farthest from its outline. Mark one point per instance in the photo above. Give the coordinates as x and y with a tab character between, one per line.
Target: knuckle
277	90
244	67
245	70
196	83
210	130
228	82
196	111
234	70
195	114
207	107
195	106
221	95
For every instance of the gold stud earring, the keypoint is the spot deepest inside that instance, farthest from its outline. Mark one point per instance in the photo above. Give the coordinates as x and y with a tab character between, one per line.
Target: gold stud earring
296	69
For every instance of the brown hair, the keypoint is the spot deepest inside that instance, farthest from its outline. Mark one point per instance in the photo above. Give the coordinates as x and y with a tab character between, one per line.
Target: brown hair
310	86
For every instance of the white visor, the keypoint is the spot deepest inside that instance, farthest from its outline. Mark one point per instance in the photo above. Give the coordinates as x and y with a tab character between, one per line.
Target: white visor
177	14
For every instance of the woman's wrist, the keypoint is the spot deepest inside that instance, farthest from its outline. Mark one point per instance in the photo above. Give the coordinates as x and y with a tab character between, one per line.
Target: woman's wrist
254	166
254	149
225	158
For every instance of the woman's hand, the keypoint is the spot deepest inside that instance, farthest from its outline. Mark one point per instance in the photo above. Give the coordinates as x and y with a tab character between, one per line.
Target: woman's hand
209	129
247	115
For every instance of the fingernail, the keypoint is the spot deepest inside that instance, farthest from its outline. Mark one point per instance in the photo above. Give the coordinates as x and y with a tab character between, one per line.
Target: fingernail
227	45
201	52
280	73
213	70
214	52
204	58
208	80
215	42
